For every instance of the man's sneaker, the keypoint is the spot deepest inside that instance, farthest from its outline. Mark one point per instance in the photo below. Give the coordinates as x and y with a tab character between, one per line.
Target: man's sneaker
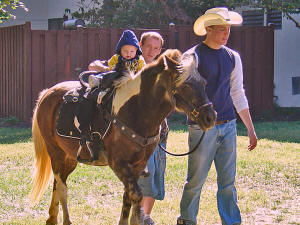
93	81
100	96
149	221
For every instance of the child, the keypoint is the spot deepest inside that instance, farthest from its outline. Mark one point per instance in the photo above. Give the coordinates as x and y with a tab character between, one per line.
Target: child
127	57
128	52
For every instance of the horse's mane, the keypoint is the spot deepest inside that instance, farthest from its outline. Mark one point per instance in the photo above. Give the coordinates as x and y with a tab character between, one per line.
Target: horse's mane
190	68
125	77
172	54
186	68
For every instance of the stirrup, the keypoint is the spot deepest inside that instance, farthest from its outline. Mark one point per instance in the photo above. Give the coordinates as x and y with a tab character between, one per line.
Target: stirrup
83	142
96	148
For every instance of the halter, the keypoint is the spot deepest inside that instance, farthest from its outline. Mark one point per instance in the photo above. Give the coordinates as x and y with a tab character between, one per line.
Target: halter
195	110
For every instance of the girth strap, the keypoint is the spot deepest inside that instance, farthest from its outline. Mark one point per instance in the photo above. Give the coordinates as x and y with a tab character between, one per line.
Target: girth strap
130	133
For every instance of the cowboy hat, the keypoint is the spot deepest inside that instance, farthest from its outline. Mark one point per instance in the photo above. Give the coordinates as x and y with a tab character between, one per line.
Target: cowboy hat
216	16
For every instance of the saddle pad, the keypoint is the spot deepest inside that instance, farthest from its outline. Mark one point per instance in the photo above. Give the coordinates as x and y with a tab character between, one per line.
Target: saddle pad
65	124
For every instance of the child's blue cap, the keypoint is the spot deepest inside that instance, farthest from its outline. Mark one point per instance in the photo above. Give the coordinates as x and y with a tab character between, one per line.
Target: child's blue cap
128	38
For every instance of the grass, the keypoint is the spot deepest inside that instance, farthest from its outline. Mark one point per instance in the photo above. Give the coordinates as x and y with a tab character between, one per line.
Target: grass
11	135
267	181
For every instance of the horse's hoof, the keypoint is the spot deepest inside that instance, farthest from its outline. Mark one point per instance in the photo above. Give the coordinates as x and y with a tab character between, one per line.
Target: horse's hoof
80	160
92	159
51	221
67	222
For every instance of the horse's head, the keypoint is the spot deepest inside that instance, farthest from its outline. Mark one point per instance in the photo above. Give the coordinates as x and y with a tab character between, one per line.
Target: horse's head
189	90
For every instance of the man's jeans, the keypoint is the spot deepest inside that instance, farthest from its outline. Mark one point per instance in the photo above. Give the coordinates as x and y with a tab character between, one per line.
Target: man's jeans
218	145
154	185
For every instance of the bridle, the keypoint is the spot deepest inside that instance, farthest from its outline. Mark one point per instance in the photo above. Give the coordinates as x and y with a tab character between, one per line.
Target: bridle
195	111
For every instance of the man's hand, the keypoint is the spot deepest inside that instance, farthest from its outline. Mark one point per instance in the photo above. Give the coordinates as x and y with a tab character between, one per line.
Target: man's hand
246	118
98	66
253	139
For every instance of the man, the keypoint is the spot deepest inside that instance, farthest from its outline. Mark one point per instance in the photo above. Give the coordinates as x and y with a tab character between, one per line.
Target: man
152	186
222	69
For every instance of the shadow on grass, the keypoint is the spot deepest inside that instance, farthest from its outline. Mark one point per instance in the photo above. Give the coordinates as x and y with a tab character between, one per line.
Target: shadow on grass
11	135
282	131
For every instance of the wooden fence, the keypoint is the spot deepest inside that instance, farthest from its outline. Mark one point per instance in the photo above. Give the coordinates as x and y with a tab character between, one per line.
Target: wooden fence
32	60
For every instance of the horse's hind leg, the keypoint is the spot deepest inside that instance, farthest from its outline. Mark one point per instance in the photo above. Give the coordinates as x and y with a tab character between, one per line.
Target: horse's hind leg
53	210
62	168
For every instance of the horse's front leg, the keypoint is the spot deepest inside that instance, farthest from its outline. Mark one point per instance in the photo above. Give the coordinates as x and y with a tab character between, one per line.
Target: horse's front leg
137	216
125	208
132	195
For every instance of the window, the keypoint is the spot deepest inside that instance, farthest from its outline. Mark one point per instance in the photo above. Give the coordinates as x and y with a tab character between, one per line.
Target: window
295	85
274	17
253	18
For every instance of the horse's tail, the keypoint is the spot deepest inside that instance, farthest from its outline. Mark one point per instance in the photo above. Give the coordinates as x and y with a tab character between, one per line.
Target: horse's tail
42	170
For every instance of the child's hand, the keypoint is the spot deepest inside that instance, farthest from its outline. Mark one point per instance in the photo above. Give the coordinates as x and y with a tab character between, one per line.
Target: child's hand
98	66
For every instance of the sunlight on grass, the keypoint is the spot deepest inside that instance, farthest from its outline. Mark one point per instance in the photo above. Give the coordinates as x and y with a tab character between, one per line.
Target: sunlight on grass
267	182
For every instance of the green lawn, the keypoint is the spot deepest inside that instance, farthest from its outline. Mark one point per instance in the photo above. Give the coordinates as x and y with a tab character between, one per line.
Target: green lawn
267	181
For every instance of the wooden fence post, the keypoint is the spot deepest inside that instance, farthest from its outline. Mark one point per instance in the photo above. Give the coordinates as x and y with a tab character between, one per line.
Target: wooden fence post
27	73
171	36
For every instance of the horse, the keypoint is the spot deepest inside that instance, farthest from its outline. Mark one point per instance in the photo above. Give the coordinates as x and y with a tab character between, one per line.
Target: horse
141	102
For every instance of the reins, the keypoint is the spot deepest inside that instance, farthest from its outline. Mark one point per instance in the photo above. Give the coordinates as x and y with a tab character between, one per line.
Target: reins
183	154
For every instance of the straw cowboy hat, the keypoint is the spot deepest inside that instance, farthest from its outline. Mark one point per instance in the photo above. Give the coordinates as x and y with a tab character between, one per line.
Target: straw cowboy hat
216	16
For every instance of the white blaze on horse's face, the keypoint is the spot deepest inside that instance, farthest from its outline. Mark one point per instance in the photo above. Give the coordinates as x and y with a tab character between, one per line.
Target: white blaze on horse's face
125	91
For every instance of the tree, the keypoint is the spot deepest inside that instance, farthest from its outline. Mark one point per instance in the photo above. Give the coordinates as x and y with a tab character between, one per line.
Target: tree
158	13
6	6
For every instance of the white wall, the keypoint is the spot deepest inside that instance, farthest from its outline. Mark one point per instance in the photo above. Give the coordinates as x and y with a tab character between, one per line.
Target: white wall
39	11
287	62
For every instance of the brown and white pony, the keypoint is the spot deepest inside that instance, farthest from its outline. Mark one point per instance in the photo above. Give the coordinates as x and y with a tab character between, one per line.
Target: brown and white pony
141	102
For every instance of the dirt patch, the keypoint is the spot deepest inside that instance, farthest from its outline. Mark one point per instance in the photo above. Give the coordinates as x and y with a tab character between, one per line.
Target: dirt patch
282	206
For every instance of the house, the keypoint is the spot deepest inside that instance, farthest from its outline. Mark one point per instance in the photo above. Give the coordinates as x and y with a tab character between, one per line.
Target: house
286	53
287	64
41	12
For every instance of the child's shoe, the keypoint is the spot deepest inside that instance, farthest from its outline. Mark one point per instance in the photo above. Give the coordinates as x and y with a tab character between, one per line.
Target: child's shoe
94	81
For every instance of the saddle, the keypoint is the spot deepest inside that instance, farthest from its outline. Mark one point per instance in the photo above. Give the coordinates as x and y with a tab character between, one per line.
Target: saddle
67	124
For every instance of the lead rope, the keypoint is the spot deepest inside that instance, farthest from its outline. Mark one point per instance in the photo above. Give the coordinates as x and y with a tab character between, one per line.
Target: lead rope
187	153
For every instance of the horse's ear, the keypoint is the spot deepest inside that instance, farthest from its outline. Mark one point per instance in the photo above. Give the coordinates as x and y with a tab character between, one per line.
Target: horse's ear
170	63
